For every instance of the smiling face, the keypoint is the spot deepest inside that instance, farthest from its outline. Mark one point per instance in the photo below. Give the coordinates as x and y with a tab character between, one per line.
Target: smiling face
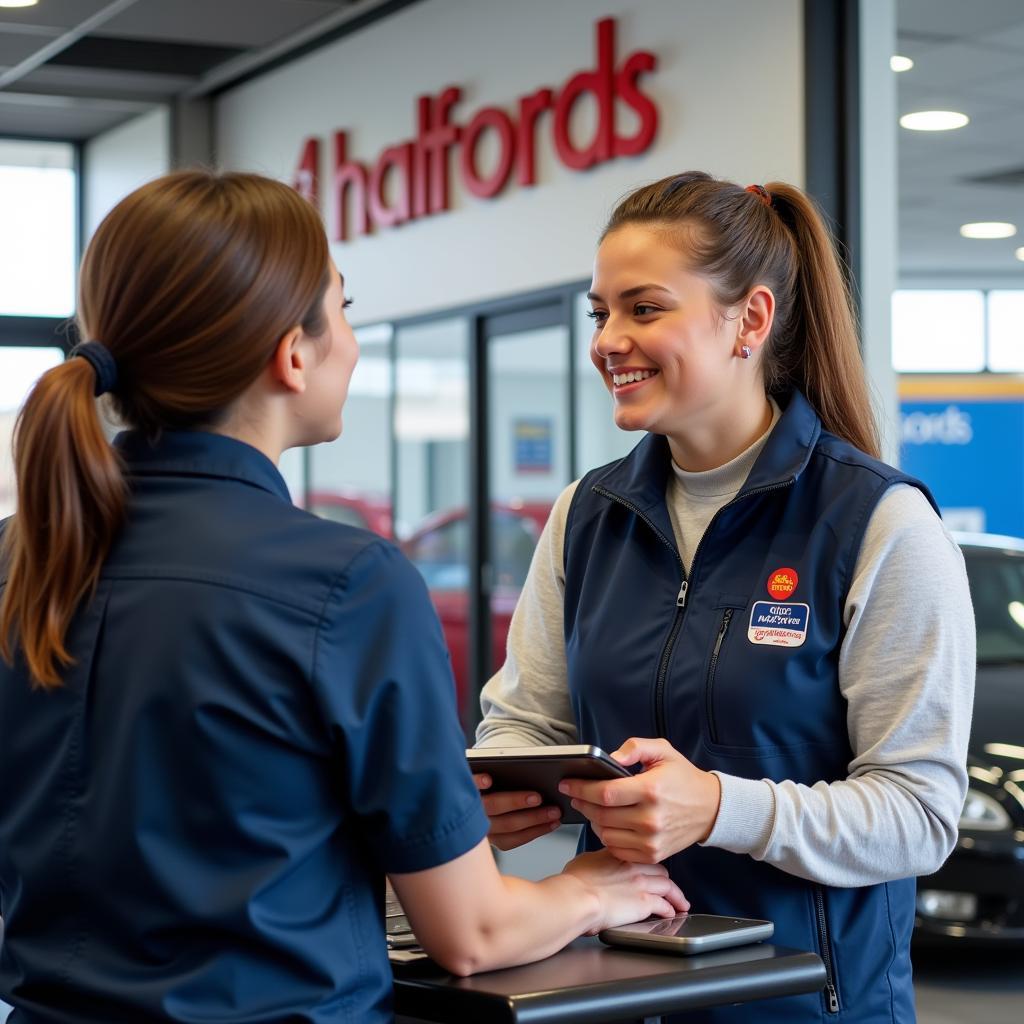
664	347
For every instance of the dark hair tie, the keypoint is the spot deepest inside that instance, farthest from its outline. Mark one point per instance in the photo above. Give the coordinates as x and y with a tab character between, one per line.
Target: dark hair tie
103	363
761	192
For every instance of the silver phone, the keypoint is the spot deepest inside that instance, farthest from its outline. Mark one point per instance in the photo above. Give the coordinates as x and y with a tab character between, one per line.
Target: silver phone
688	933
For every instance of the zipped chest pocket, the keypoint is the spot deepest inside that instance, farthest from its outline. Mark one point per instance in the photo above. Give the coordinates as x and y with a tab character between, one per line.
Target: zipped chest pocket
725	623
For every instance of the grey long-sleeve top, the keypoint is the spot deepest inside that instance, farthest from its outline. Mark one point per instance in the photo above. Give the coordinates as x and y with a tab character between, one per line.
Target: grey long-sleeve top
906	669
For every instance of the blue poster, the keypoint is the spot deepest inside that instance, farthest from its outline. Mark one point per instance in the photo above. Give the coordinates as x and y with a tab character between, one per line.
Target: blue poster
969	450
531	440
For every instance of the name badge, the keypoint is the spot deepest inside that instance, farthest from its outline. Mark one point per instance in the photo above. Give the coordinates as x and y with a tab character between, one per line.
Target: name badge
780	625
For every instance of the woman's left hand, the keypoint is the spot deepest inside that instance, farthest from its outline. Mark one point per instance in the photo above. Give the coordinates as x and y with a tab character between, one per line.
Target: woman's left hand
669	806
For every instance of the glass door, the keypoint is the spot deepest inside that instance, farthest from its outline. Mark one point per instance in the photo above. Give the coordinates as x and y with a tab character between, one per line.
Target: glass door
523	461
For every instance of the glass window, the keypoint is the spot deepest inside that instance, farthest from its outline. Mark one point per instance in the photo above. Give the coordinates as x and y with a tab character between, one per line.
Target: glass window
938	331
37	242
431	427
598	440
20	368
528	430
350	478
1006	331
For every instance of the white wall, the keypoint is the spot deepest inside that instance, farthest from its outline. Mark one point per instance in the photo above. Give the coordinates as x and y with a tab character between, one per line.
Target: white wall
121	159
728	86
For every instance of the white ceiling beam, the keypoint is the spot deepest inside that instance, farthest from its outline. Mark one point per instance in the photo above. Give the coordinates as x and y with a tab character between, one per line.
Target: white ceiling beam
62	42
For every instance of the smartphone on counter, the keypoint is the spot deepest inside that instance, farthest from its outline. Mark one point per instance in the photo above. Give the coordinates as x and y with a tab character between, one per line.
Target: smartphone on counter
541	769
688	933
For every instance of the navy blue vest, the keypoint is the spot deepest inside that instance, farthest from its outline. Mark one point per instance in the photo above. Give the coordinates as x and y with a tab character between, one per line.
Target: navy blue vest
741	678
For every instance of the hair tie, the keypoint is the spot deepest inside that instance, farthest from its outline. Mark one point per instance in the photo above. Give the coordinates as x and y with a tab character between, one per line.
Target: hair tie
761	192
103	363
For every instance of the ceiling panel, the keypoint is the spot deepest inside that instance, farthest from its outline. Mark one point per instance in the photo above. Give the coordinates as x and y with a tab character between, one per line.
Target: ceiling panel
956	18
950	67
15	48
49	117
1009	36
96	83
62	14
221	22
185	59
968	57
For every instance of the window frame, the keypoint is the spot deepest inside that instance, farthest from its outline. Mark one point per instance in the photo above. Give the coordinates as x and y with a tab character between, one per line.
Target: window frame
50	331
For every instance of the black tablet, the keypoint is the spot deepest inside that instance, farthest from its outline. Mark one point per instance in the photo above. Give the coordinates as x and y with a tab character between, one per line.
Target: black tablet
541	769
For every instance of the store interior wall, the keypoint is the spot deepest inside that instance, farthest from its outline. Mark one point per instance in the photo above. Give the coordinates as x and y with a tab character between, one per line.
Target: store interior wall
712	59
119	160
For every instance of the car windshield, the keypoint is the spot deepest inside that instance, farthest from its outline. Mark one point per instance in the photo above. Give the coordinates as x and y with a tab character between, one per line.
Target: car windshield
997	590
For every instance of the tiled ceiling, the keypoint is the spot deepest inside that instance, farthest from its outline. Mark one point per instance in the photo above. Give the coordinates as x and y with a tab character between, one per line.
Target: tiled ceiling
107	60
967	57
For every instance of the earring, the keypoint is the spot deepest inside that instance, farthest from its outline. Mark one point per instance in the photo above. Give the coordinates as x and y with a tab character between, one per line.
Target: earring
745	351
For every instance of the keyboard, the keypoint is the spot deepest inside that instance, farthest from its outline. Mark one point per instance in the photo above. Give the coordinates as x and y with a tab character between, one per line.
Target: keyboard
397	928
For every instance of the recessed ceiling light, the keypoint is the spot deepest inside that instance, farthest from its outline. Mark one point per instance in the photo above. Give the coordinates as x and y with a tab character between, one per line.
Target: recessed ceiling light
18	3
988	229
898	63
1020	254
934	120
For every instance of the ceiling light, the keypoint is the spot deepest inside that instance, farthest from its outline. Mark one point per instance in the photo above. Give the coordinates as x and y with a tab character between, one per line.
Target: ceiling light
1020	254
934	120
18	3
988	229
898	63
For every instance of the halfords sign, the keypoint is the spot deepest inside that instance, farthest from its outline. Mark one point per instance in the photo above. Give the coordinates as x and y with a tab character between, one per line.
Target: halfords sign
411	179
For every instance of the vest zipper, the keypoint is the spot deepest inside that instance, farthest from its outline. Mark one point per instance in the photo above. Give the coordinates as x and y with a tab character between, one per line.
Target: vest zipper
683	595
709	690
826	951
666	651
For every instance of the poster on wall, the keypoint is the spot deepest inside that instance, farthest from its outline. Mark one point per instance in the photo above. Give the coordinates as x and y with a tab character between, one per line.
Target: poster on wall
964	438
531	444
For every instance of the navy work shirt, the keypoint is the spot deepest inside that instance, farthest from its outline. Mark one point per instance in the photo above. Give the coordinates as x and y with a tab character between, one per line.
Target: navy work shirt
259	723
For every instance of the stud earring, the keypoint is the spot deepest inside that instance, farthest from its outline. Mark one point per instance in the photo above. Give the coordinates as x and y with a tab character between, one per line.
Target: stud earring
745	351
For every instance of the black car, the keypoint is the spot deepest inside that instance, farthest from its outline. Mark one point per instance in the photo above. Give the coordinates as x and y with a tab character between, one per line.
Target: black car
978	894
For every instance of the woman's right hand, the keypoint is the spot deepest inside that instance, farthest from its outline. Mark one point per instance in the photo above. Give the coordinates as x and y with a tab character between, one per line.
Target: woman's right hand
516	817
627	892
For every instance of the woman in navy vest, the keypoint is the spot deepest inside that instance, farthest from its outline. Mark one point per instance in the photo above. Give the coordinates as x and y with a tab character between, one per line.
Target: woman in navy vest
750	606
225	720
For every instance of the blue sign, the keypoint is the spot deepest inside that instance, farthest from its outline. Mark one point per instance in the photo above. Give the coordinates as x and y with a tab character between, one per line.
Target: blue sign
970	453
532	443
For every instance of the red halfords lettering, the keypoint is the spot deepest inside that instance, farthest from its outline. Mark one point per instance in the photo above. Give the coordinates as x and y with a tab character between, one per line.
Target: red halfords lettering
411	179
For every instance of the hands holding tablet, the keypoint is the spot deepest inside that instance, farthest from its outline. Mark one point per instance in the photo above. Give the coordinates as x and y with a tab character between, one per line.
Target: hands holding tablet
517	817
669	806
644	818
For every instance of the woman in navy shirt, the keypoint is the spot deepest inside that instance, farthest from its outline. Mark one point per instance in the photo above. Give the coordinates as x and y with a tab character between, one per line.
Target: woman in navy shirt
224	719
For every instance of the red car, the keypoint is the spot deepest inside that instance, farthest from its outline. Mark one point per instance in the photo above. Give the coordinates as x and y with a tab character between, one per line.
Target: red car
353	508
439	548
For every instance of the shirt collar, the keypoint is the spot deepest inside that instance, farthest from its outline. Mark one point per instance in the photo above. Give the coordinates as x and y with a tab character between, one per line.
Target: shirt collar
197	453
641	477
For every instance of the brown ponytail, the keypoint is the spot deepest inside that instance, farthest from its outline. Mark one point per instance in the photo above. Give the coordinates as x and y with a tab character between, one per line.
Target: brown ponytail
189	282
70	505
821	353
737	240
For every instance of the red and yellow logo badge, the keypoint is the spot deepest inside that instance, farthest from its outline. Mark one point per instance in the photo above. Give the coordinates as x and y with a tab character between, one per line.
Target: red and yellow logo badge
782	583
